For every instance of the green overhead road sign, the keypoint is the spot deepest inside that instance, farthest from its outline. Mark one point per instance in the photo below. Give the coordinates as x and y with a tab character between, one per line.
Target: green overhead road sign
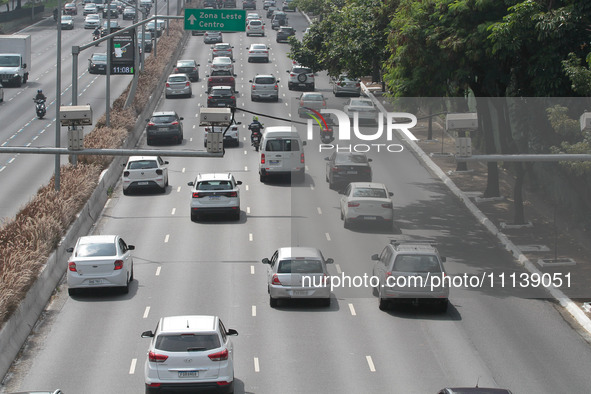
221	20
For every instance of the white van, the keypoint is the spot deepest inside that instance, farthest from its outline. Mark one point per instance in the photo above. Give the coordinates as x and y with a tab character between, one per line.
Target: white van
282	152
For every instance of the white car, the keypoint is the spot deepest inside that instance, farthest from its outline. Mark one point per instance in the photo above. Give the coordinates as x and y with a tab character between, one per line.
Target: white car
367	202
215	194
252	15
365	110
189	353
100	261
300	77
297	272
311	100
142	172
67	22
230	138
92	21
89	8
258	52
255	26
222	63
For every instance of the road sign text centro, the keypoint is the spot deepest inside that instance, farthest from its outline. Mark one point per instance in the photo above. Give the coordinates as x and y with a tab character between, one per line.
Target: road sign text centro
215	19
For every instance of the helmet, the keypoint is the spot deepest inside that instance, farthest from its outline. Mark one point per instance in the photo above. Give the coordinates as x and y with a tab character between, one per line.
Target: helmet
39	91
255	119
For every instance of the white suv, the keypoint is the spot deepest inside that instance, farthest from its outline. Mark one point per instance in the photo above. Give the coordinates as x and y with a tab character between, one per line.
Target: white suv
190	353
215	193
255	26
300	77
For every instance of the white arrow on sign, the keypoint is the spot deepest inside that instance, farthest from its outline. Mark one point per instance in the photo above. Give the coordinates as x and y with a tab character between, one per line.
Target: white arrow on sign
192	19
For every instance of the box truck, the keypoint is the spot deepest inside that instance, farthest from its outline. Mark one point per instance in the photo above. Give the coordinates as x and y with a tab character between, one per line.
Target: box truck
15	59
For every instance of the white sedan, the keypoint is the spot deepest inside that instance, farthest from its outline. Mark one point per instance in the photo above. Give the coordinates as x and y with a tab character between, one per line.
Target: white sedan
364	108
143	172
222	63
367	202
100	261
258	52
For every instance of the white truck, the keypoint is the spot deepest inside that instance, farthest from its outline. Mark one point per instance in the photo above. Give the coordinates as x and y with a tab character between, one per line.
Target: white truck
15	59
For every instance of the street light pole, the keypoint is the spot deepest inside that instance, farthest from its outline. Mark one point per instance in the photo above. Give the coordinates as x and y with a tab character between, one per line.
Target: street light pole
108	71
58	100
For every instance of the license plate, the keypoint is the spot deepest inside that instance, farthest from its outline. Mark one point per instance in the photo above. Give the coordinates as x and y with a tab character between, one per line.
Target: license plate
273	161
143	183
351	172
214	197
302	84
300	292
95	281
162	128
188	374
369	217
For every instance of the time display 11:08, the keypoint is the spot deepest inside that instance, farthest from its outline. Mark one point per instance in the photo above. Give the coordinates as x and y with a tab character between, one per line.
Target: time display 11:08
122	70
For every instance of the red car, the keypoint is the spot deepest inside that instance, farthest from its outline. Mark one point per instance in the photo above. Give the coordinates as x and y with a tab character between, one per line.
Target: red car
70	9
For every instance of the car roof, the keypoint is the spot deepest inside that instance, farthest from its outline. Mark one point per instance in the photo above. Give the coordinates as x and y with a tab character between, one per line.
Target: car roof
367	184
186	60
164	113
138	158
476	390
265	76
89	239
178	75
220	58
299	251
280	131
188	323
218	176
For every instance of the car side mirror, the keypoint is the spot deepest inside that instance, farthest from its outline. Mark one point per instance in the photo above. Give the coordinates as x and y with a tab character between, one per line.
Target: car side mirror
239	182
209	61
234	75
329	261
327	158
131	247
70	250
190	184
147	334
375	257
304	143
231	331
198	64
165	162
181	118
147	120
443	259
369	160
265	261
278	81
390	194
207	75
250	80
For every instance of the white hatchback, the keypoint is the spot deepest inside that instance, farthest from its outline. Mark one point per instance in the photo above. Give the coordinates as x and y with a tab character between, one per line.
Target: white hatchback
100	261
215	194
367	202
222	63
190	353
258	52
143	172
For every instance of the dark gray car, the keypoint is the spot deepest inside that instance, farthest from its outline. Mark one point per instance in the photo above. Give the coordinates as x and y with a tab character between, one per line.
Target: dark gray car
189	67
164	125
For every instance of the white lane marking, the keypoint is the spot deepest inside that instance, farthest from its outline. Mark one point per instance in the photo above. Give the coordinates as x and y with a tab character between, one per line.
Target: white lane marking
250	236
166	238
194	125
158	271
245	152
252	269
372	367
2	169
132	366
352	310
327	236
338	268
319	211
246	187
245	168
311	187
11	160
147	312
307	169
254	310
256	364
247	210
173	211
183	170
178	189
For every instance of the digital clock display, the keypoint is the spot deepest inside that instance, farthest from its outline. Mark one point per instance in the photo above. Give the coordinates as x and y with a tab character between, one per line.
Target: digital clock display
122	69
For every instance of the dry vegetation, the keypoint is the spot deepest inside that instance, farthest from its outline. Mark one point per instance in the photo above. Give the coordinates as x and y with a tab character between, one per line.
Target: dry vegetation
27	240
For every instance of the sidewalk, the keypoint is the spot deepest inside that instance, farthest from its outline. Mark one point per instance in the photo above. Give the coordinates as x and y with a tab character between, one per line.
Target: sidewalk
546	246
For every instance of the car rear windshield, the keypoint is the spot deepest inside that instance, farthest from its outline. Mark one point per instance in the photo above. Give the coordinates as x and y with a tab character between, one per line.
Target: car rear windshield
255	23
99	58
416	263
264	80
362	103
96	250
350	158
313	97
282	145
185	64
369	192
299	70
214	185
163	119
187	342
142	165
221	92
180	78
221	73
299	267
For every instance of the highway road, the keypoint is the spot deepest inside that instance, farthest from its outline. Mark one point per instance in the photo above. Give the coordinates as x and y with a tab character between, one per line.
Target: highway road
21	175
498	337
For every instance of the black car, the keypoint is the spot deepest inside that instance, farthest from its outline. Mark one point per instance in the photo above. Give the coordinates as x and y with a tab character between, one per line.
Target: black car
164	125
284	33
270	11
343	168
114	12
114	27
145	41
279	19
97	64
189	67
249	4
221	96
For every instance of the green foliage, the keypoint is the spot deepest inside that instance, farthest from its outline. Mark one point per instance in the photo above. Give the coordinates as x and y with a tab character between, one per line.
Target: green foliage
579	76
580	141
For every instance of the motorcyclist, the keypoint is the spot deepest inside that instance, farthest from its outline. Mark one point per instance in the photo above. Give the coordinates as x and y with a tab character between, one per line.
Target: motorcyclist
55	14
96	34
40	96
255	127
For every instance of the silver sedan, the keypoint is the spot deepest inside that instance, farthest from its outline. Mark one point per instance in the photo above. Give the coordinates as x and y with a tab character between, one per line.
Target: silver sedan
178	85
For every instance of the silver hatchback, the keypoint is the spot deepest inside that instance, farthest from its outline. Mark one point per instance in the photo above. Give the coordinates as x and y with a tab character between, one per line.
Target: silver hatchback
297	272
178	85
264	87
343	85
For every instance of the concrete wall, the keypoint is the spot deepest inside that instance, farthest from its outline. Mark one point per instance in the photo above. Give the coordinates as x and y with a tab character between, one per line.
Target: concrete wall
15	331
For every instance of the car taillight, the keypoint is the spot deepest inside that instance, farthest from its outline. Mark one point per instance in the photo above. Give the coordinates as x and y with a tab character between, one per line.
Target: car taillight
72	266
388	274
334	169
357	85
292	75
159	172
167	85
210	80
219	356
223	383
126	173
353	204
231	194
194	68
323	103
262	158
157	358
232	79
118	265
151	124
233	97
176	70
275	280
254	87
209	97
387	205
188	84
197	195
276	87
175	123
302	158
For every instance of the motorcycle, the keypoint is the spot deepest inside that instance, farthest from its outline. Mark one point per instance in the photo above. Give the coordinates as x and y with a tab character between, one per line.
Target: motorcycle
96	36
256	135
40	108
326	135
